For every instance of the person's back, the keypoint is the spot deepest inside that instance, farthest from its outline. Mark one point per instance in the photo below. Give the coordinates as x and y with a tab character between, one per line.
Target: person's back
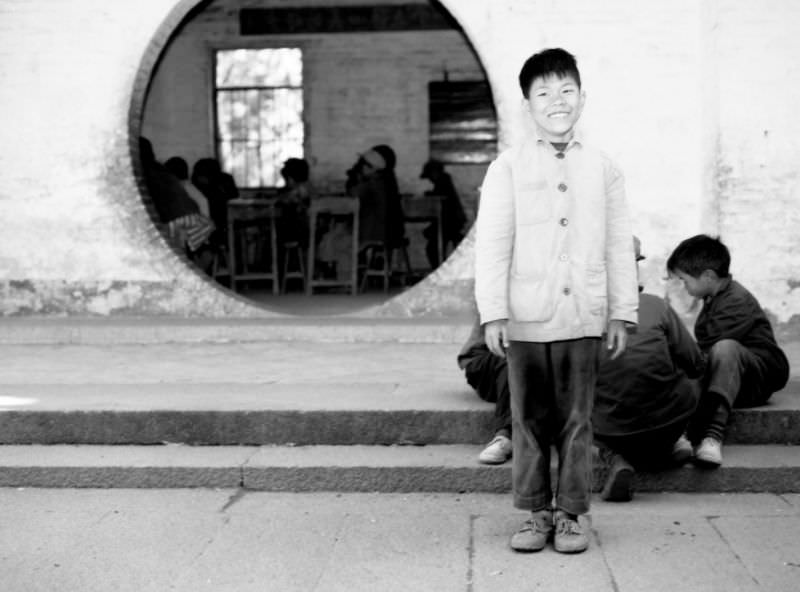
649	386
745	365
170	199
180	169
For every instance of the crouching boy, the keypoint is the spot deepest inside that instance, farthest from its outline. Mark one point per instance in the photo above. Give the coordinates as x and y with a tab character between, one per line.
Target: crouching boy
744	364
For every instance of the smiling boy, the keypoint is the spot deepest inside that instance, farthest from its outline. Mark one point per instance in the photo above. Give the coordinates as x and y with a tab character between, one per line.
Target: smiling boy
554	269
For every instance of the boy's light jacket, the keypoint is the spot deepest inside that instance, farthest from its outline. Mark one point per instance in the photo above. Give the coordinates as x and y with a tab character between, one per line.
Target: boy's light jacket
554	247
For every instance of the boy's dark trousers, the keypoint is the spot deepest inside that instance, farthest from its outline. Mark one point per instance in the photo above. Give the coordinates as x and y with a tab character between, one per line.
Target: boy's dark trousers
488	375
552	392
735	377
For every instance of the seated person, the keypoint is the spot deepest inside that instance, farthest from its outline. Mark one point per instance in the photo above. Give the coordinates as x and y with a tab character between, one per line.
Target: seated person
372	181
293	202
180	169
219	188
186	228
645	398
452	212
488	375
169	196
744	364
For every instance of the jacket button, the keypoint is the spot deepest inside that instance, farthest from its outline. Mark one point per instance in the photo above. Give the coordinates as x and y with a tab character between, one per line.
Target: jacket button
559	155
562	187
563	221
566	291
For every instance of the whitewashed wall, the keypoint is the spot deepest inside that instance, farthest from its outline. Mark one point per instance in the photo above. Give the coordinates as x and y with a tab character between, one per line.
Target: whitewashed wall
694	99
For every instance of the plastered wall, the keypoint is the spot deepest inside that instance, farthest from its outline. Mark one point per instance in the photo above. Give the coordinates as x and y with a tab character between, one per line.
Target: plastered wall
695	100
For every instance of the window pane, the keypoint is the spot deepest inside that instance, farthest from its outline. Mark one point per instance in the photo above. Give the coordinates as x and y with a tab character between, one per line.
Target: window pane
259	67
259	119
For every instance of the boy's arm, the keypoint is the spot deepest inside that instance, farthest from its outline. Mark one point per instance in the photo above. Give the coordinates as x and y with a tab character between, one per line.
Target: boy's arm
731	318
682	347
494	236
623	289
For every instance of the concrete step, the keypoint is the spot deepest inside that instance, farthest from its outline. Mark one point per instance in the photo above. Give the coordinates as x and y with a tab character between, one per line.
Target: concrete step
161	330
755	468
300	414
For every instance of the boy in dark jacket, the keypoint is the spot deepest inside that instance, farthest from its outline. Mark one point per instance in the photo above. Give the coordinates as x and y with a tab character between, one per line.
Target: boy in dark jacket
744	364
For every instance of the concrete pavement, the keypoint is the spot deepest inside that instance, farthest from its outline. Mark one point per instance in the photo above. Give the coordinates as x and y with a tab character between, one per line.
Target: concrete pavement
237	540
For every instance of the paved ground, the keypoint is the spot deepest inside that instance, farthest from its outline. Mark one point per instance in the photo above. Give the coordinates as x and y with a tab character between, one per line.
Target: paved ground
233	540
227	539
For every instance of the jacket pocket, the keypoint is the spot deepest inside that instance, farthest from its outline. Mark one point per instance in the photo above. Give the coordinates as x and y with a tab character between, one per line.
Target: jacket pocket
531	300
596	288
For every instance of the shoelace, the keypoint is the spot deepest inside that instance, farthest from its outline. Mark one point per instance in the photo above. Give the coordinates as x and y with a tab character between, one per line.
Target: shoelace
567	526
533	525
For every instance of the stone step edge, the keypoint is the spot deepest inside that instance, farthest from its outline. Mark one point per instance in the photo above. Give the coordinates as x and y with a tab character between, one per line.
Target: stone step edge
764	425
399	469
331	329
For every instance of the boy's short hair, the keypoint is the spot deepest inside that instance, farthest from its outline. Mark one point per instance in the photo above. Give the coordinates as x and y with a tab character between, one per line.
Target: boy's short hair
297	169
178	167
546	63
696	254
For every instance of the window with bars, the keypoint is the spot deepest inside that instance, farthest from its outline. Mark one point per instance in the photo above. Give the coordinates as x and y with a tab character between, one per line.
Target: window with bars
259	112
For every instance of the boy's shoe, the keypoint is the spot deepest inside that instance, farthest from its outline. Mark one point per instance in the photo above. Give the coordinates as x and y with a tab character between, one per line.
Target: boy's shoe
682	450
709	452
569	537
534	533
619	482
497	451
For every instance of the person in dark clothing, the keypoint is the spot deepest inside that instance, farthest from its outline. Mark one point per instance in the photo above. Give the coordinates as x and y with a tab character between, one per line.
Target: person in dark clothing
453	217
219	188
183	224
293	202
373	181
488	375
645	398
745	365
170	199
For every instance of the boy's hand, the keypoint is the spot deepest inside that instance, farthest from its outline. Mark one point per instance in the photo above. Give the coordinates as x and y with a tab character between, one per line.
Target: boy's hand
496	337
617	337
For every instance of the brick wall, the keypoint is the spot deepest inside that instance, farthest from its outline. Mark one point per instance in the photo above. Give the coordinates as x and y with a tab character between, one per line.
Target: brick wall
695	101
359	89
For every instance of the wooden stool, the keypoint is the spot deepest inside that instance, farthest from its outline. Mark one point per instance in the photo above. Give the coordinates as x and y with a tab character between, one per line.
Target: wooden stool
378	263
220	266
293	253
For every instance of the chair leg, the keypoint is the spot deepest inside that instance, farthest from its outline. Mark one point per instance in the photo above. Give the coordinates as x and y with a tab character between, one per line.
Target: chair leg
368	258
387	268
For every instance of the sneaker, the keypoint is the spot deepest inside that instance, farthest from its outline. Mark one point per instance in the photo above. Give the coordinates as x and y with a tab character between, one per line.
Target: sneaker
682	450
619	482
569	537
709	452
497	451
534	533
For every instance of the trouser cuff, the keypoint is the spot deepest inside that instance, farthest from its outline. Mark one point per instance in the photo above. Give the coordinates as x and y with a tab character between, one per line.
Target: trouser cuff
533	503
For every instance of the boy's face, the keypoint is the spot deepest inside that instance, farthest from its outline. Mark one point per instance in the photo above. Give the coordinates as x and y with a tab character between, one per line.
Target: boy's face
698	287
555	104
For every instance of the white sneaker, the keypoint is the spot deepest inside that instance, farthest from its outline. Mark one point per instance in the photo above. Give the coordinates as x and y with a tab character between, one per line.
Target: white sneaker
709	452
497	451
681	450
